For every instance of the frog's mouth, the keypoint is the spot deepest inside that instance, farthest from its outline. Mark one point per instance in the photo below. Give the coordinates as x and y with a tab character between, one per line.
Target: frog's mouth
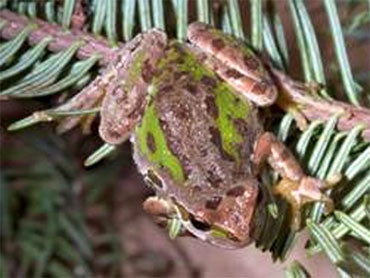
213	234
171	213
179	222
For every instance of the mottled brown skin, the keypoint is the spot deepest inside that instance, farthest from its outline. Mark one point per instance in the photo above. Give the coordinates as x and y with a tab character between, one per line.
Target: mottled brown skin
228	57
218	190
125	100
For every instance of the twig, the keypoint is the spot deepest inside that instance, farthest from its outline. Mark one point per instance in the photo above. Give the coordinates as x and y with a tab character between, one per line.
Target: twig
314	107
62	39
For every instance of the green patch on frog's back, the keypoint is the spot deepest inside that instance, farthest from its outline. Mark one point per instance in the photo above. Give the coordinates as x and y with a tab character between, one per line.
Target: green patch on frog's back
231	107
151	139
135	70
153	146
184	61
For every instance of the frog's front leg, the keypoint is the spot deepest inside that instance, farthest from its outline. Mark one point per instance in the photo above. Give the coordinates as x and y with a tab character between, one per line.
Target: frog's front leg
234	62
296	187
126	96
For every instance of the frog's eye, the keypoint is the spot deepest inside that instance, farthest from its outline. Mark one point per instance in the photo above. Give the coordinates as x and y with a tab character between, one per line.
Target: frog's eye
152	179
199	225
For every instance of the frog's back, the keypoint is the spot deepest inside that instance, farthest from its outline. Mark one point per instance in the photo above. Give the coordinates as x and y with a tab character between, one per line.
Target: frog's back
197	135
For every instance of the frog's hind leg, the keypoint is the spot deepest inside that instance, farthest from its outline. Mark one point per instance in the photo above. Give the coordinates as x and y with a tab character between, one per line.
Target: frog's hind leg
296	187
234	62
125	98
261	92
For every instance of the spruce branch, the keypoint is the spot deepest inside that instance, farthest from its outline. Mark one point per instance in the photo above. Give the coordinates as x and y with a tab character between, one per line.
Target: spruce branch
61	38
310	106
336	139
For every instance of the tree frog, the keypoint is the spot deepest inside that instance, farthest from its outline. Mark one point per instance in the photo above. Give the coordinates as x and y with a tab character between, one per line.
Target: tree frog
191	113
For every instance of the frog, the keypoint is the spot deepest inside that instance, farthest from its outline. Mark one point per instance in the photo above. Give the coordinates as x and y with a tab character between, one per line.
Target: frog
192	111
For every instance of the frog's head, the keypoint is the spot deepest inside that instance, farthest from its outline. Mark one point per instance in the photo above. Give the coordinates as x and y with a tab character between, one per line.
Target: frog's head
226	221
222	221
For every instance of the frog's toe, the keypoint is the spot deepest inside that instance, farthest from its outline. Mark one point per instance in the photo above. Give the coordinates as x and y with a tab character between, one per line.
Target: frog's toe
312	190
299	193
299	118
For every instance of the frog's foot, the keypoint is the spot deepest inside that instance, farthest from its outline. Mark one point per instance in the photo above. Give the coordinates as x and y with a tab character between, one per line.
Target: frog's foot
296	187
294	96
125	96
293	110
239	66
300	193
